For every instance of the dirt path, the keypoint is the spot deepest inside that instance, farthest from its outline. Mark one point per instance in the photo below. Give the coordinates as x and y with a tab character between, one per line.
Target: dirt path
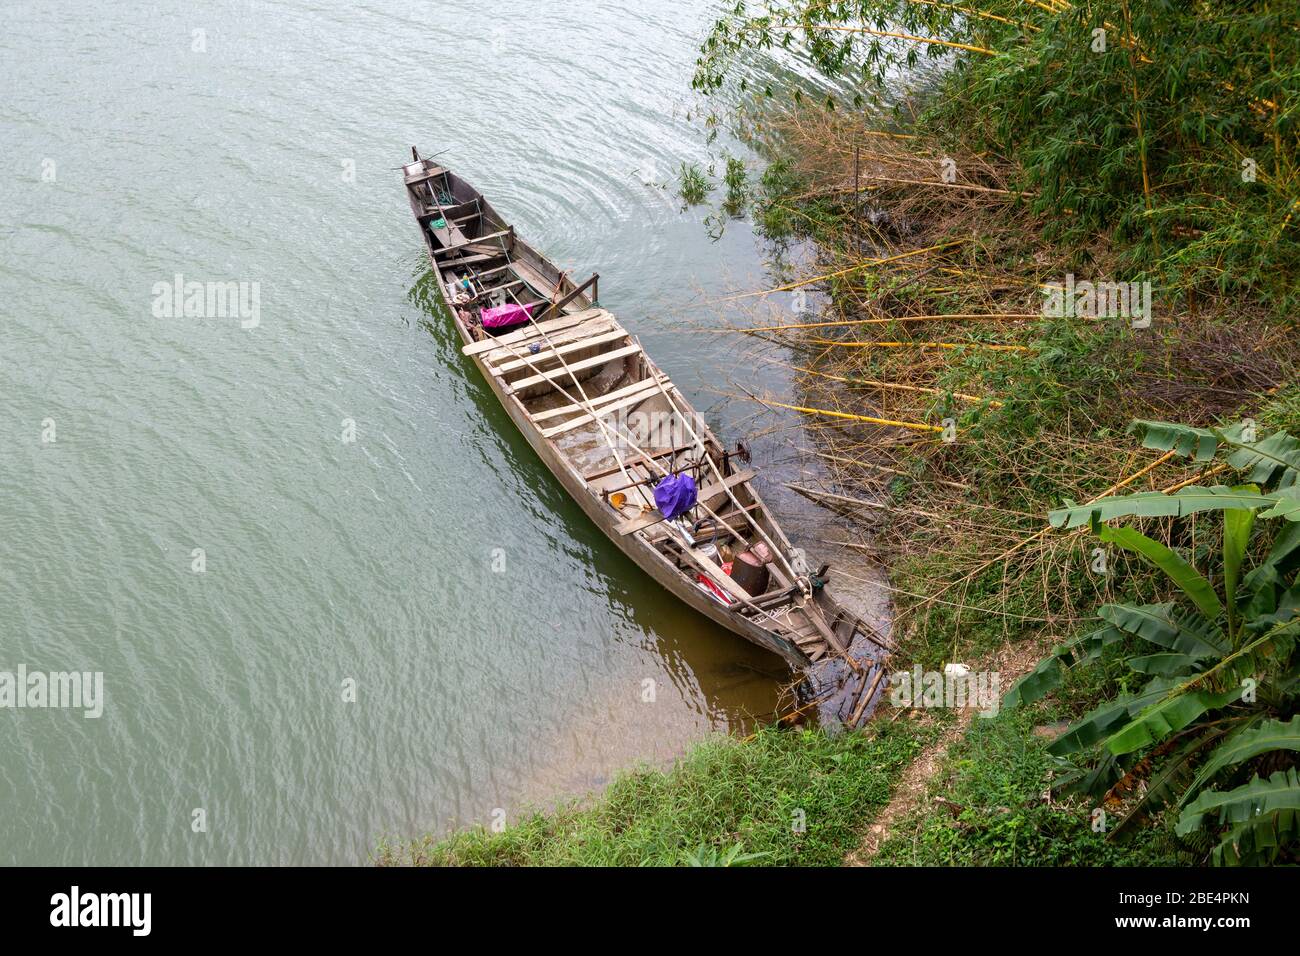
1011	662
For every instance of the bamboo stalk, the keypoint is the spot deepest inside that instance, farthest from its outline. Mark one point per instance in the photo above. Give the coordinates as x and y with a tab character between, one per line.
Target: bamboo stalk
936	345
962	316
1044	531
915	426
834	275
892	36
974	399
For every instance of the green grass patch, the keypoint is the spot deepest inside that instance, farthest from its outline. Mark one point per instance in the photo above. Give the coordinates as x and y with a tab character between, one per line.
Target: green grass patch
782	797
994	811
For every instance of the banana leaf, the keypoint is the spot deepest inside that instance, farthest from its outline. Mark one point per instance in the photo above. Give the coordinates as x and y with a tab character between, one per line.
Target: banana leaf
1167	716
1237	526
1281	791
1167	627
1257	840
1285	505
1282	559
1163	664
1251	741
1191	581
1105	720
1166	784
1273	461
1047	676
1157	504
1199	444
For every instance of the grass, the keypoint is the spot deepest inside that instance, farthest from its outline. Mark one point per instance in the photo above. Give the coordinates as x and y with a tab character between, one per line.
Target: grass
692	184
780	797
988	807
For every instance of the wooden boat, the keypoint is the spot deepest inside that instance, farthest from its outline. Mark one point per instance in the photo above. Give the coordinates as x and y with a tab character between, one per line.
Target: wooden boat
573	379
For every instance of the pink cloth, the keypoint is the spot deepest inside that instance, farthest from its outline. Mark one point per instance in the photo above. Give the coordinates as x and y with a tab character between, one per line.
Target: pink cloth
504	316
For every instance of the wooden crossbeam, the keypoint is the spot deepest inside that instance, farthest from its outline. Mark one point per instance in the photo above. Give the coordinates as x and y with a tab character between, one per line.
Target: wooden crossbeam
474	242
514	364
417	178
645	385
561	372
561	303
633	399
531	331
639	460
470	260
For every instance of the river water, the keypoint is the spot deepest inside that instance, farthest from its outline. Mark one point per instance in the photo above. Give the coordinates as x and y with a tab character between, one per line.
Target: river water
309	642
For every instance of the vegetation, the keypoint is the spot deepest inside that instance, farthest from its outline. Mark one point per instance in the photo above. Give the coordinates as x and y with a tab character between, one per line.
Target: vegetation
1171	126
692	185
780	797
1138	149
1058	142
992	810
1214	728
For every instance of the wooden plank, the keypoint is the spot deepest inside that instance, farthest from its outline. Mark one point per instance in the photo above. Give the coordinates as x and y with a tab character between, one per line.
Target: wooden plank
574	345
597	325
470	260
708	491
528	332
814	614
435	211
431	173
559	373
473	242
587	419
645	385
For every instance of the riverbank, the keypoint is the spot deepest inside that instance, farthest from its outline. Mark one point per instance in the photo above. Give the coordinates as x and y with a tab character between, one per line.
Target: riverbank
1007	293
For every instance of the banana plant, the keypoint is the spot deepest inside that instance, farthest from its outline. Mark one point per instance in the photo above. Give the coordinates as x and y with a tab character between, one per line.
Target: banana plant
1217	666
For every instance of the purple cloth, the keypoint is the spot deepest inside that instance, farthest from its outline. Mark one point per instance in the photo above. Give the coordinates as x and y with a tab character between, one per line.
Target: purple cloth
675	495
504	316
